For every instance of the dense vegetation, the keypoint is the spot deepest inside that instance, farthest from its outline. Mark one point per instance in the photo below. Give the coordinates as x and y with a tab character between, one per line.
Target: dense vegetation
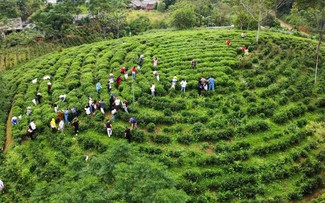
258	136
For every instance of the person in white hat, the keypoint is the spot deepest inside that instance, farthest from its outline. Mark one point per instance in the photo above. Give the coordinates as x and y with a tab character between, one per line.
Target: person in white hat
174	81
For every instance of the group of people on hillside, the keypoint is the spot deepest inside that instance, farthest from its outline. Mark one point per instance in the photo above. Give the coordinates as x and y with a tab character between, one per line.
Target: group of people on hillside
115	102
206	84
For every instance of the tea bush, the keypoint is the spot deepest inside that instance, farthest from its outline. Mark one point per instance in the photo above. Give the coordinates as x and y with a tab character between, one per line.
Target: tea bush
244	141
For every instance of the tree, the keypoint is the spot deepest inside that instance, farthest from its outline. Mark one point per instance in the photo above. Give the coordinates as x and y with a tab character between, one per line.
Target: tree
161	6
245	21
312	15
257	9
8	9
28	7
169	3
183	18
140	24
110	14
54	19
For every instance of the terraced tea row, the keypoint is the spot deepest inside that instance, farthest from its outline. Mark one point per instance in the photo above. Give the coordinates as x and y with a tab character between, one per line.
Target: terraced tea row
255	135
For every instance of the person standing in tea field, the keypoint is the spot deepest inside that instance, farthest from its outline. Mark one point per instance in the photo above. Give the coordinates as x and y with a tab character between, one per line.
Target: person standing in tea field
109	128
134	72
114	111
123	70
183	85
53	125
66	115
152	88
98	87
155	62
32	125
111	101
75	124
194	63
61	126
56	108
243	35
90	104
125	106
117	103
118	81
141	59
49	86
29	111
211	83
95	105
174	81
128	134
111	78
228	42
87	109
60	115
109	87
155	73
102	106
39	97
34	101
74	112
14	120
62	97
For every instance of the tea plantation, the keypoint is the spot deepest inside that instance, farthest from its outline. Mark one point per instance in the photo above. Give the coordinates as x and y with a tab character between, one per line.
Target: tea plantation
259	137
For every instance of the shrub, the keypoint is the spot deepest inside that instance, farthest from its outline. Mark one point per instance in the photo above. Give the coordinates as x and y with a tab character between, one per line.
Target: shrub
186	139
151	127
161	139
320	102
138	136
280	118
256	126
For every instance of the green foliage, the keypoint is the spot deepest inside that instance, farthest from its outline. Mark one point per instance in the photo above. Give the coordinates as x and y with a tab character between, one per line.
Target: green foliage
54	20
151	127
183	18
254	131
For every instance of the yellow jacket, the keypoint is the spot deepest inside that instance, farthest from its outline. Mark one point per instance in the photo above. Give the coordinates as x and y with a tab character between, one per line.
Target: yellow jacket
52	123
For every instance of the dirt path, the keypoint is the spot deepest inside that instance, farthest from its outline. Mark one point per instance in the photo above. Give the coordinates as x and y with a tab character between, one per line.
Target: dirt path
284	24
9	139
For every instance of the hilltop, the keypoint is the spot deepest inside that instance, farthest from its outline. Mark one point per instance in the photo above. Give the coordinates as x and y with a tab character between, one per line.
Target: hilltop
258	137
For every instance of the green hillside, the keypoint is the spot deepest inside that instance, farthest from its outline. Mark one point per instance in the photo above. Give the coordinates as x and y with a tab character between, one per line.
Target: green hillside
259	137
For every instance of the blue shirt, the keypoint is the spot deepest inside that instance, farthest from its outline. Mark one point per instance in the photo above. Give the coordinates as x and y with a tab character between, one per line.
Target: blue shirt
211	80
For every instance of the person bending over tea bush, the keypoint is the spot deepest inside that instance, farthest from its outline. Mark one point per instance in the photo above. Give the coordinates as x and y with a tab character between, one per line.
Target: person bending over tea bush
133	122
109	128
75	124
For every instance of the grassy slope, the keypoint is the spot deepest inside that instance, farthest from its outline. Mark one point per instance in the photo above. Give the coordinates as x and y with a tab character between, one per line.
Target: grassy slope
221	127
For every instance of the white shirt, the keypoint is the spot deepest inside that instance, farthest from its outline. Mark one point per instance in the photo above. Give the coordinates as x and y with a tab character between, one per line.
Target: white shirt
117	102
61	124
183	83
113	111
87	110
152	88
2	186
32	125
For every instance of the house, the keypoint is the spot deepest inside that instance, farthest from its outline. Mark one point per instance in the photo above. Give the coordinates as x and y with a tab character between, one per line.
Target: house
144	4
11	24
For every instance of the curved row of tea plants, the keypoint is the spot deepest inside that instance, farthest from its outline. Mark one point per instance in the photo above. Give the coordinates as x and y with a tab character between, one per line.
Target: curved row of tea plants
258	136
